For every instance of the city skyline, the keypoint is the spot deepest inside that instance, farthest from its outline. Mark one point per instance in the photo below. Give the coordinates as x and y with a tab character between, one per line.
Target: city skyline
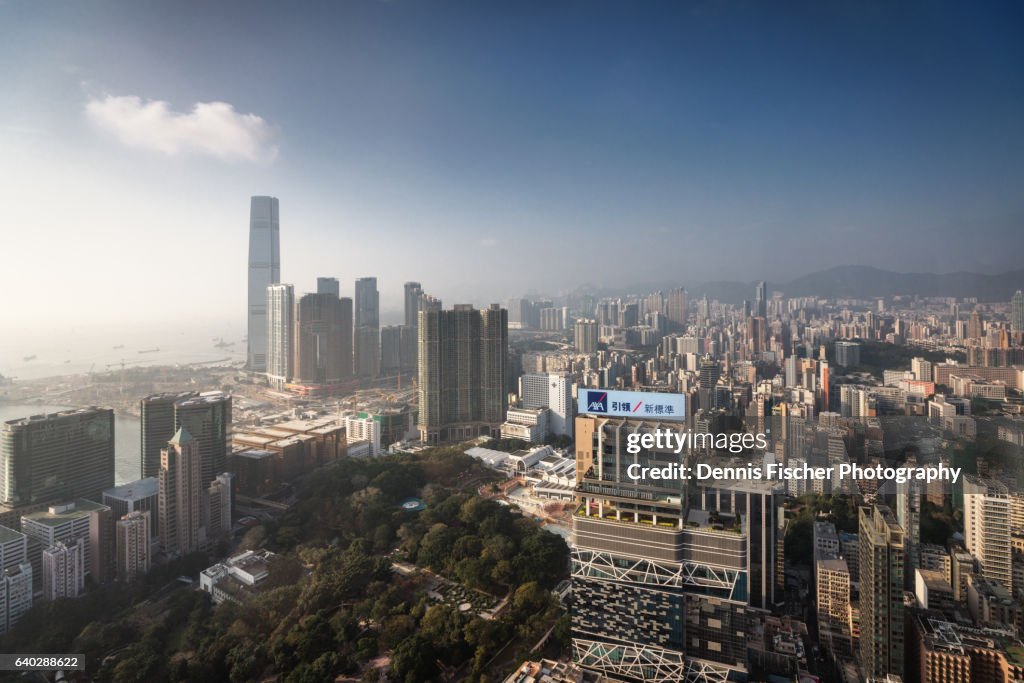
428	149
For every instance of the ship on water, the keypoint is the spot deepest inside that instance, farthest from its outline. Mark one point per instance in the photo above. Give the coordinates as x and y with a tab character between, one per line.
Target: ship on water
154	350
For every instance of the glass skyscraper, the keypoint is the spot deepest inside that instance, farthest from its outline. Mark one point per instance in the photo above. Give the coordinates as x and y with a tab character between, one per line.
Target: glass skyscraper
264	270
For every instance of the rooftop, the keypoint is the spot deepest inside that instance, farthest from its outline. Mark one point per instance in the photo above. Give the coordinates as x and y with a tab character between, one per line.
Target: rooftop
56	515
135	490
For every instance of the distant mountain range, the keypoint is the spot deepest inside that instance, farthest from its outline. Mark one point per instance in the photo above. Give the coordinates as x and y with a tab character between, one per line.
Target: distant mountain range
860	282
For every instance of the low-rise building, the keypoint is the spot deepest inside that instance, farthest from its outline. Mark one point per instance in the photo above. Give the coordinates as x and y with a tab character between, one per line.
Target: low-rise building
236	578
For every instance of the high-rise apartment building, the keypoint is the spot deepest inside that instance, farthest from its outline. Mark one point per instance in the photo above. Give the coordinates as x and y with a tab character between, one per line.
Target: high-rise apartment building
142	495
554	392
64	570
975	326
15	594
181	495
68	523
132	534
462	367
676	305
46	458
585	336
847	354
367	345
323	339
987	515
922	369
413	291
880	560
281	333
264	270
1017	312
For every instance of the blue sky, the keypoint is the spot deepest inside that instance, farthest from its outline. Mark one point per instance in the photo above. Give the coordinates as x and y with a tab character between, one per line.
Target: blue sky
491	149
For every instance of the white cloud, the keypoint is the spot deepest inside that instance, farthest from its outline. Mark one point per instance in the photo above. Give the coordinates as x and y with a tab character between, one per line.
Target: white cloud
211	128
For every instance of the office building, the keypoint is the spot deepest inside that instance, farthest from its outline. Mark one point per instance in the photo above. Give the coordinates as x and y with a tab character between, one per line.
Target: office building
136	496
328	285
585	336
181	495
660	588
68	523
281	333
45	458
15	594
975	326
158	426
207	417
987	508
676	304
367	303
323	339
133	542
880	557
462	373
264	270
554	392
64	570
847	354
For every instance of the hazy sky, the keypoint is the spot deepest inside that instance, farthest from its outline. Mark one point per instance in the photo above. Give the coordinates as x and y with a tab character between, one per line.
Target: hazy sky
488	149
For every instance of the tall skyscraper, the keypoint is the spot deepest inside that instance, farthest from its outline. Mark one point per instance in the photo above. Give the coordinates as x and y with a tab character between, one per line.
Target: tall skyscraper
367	303
761	300
676	305
157	420
462	365
880	561
585	336
181	492
367	358
142	495
1017	312
987	509
281	334
323	339
46	458
264	270
328	285
975	326
133	539
413	292
207	417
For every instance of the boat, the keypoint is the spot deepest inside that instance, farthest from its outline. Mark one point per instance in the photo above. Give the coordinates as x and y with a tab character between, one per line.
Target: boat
153	350
28	358
119	346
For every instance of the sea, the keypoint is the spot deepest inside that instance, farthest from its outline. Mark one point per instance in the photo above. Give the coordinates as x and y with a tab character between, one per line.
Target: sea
76	350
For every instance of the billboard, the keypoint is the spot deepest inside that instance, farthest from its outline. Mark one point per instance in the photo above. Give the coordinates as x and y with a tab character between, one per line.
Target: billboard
639	404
